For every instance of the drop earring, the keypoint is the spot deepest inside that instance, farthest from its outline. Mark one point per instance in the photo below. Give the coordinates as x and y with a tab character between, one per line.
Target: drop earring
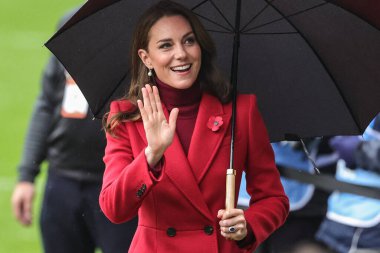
150	73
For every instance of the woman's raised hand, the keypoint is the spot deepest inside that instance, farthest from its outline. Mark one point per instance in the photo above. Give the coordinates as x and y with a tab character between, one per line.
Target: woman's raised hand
159	132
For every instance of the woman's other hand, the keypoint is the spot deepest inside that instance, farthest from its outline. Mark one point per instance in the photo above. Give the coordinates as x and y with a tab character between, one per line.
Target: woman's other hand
159	132
233	225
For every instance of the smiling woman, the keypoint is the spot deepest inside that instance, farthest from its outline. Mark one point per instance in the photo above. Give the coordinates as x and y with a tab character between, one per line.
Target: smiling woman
165	158
173	52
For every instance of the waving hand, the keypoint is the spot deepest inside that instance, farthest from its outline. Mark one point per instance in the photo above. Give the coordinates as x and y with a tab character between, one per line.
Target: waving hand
159	132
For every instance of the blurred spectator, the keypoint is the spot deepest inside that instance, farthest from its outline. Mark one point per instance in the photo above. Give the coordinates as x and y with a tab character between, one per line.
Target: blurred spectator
63	133
308	204
352	223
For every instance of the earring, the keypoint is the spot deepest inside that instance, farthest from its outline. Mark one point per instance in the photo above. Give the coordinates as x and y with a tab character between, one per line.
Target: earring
150	73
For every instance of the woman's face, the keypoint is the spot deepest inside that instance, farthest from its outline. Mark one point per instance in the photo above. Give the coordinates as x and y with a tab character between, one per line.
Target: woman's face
173	52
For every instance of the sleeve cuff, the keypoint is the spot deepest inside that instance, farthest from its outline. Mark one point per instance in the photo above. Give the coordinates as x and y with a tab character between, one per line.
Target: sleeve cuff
248	240
156	170
27	174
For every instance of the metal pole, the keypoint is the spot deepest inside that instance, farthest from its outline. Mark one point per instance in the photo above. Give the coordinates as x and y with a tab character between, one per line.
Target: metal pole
230	180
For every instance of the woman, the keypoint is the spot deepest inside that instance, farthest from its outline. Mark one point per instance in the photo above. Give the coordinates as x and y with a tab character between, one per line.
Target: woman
168	146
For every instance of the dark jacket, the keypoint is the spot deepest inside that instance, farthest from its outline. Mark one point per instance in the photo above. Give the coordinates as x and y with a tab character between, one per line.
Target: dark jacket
73	147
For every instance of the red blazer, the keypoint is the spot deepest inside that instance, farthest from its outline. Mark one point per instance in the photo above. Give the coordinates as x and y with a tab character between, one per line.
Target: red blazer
178	211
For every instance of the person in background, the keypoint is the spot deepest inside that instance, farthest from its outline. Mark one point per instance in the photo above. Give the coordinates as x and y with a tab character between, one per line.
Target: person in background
352	222
62	132
307	203
168	146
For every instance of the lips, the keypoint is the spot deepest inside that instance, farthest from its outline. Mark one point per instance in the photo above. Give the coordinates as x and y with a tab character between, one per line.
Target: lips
182	68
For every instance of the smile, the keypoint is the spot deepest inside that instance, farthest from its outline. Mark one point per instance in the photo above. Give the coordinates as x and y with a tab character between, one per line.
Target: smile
182	68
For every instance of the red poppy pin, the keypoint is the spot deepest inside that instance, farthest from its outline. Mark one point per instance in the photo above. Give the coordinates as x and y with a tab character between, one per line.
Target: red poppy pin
214	123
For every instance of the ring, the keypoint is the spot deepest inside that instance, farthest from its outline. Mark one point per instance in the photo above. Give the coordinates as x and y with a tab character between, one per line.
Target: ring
231	229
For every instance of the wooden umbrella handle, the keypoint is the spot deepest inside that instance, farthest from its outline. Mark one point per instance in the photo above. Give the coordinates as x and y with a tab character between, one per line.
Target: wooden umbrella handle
230	189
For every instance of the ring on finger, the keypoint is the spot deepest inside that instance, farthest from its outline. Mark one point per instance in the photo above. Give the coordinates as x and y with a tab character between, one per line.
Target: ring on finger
232	229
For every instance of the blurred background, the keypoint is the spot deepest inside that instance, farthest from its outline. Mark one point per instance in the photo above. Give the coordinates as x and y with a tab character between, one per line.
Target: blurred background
24	28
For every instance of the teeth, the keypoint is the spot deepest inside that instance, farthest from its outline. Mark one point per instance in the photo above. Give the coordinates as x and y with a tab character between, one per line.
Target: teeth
181	68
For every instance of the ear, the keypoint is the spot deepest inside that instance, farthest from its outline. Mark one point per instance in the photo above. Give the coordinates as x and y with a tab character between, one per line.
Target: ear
144	56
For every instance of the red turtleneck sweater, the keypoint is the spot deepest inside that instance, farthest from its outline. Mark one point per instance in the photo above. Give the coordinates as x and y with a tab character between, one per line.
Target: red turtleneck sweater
187	101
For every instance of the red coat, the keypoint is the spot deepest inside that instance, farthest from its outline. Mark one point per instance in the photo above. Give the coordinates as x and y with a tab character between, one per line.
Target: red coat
178	211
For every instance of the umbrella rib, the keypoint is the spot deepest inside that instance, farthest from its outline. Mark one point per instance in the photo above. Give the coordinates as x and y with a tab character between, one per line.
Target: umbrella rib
216	31
284	17
224	17
274	33
362	17
211	21
324	66
215	23
200	4
87	9
254	17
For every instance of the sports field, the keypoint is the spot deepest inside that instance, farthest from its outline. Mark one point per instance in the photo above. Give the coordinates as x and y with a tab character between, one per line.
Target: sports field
24	27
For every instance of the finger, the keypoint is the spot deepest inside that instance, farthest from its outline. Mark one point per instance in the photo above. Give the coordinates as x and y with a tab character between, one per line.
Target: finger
142	110
173	118
239	234
232	213
158	100
152	99
17	209
234	228
225	235
228	235
233	237
220	213
237	222
147	106
20	213
27	215
232	221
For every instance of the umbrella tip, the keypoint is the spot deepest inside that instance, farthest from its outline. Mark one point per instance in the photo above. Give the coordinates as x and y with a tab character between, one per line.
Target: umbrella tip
295	137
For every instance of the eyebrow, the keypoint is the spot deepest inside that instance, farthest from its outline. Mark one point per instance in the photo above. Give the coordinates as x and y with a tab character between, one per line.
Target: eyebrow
167	40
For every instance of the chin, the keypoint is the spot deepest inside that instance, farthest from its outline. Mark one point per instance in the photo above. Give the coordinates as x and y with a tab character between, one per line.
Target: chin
182	85
185	86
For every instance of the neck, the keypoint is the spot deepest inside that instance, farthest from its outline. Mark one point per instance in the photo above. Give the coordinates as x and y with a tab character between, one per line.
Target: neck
173	97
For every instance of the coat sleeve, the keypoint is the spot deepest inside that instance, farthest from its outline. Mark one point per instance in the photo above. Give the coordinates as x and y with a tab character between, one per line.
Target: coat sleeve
43	116
42	120
127	180
269	205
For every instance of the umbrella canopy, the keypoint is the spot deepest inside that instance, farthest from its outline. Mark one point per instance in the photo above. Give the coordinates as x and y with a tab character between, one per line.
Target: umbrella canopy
313	64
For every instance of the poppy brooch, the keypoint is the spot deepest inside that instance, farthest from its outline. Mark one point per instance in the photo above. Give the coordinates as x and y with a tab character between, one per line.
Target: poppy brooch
214	123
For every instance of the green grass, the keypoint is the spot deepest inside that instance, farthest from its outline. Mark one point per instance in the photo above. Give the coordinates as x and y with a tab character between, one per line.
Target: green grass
24	27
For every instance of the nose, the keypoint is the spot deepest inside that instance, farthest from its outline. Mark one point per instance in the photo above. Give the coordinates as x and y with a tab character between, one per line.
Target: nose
180	52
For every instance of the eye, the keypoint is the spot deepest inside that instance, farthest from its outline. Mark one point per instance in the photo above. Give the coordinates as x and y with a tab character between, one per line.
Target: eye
190	40
165	45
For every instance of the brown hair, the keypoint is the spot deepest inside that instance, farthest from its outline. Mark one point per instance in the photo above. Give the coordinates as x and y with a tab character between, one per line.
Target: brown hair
211	80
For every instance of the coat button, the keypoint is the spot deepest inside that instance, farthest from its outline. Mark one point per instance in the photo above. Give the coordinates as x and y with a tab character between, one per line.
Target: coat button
208	230
171	232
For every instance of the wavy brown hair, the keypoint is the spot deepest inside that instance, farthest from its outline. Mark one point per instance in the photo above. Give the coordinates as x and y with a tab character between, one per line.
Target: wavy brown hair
210	78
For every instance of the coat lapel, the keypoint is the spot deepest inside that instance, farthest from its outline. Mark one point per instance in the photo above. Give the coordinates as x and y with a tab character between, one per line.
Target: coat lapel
180	172
205	142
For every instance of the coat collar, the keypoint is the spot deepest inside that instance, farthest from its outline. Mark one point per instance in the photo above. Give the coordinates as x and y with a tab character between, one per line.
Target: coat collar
187	172
205	143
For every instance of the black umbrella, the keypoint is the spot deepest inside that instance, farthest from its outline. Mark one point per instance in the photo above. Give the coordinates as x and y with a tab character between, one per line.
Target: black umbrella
313	64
